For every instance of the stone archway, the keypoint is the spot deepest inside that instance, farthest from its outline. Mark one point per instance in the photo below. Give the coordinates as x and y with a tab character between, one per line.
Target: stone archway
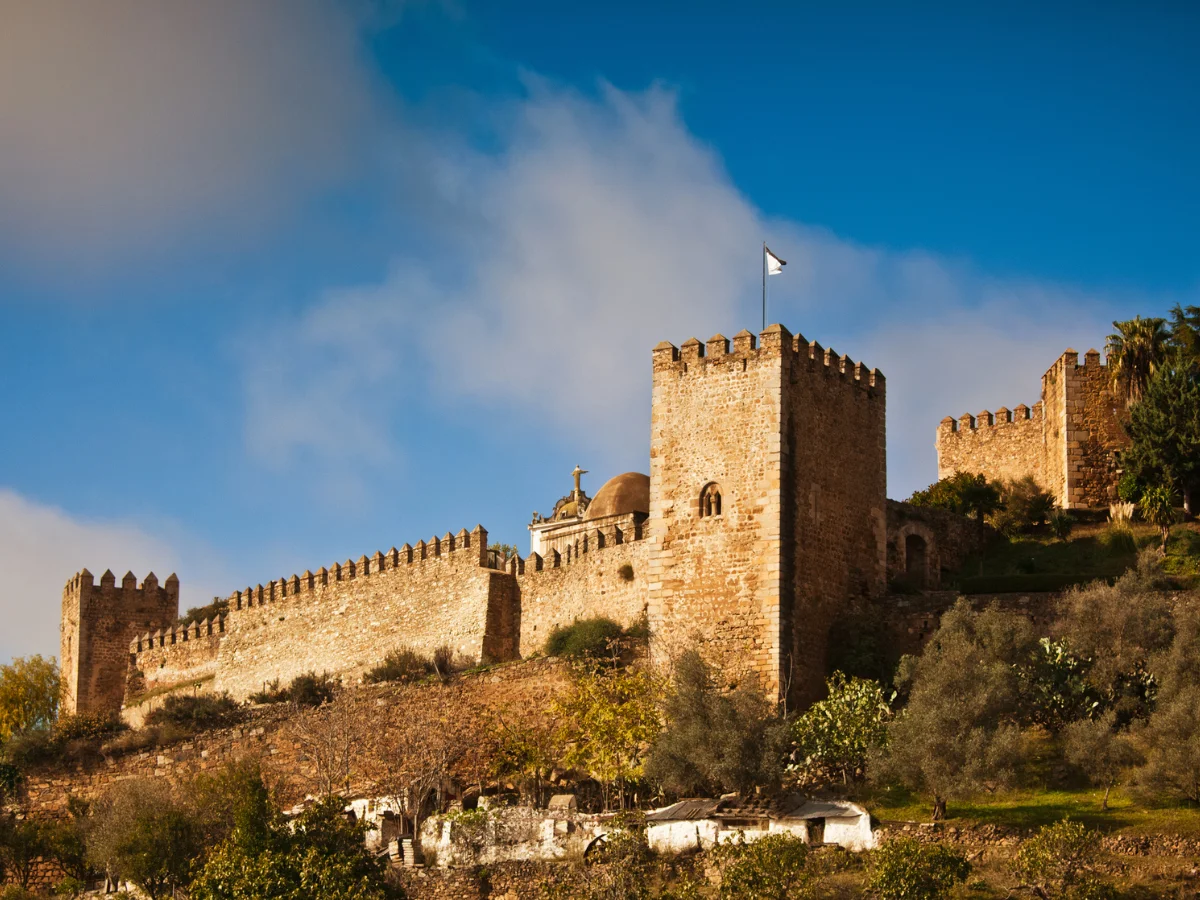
916	556
916	560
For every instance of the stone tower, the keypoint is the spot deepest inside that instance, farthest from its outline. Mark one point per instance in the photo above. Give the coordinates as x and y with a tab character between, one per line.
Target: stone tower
767	502
98	624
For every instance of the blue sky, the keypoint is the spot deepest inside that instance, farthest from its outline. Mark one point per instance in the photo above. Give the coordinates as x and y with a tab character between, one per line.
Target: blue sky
288	283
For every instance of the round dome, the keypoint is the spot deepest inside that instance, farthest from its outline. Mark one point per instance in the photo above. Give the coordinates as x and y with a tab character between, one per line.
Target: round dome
624	494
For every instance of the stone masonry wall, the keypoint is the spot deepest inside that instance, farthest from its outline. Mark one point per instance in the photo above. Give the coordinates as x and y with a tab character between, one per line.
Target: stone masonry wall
1093	431
1002	445
98	623
346	619
715	583
554	592
835	483
1068	443
793	442
179	655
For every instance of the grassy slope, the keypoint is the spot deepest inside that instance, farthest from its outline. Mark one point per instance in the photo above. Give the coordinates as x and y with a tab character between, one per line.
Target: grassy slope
1087	553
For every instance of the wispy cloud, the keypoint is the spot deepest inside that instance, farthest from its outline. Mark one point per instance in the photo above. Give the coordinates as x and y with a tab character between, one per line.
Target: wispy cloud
604	226
40	546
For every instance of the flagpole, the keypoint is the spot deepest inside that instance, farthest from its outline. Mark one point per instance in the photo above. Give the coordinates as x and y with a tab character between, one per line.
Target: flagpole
764	305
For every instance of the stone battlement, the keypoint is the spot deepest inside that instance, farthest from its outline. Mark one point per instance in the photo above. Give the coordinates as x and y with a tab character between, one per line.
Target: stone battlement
774	342
179	634
1018	415
423	553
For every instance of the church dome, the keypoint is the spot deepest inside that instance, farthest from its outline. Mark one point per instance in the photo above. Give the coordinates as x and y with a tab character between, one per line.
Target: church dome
620	495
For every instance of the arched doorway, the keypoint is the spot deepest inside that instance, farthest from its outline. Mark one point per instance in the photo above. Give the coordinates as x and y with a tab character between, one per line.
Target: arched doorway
916	560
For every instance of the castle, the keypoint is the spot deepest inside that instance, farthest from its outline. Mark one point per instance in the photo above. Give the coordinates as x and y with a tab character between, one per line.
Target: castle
763	514
1069	441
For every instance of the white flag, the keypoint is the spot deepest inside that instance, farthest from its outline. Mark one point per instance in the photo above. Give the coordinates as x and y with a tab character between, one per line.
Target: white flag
774	263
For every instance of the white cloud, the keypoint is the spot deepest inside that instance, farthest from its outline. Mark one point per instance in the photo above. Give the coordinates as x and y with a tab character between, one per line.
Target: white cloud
127	123
42	546
605	226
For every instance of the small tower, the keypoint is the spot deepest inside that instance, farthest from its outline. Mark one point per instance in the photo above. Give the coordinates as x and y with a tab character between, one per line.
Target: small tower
98	624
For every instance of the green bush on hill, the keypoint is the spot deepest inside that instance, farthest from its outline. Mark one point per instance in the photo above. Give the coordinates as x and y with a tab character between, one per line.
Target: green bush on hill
585	638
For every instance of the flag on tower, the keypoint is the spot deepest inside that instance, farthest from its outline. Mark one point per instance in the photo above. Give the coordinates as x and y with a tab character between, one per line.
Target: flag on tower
774	263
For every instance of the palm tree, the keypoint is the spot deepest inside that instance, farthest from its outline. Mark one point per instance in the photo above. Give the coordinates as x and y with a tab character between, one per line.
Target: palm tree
1134	352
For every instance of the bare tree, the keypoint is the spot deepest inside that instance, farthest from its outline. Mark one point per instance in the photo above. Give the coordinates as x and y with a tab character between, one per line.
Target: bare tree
416	742
333	738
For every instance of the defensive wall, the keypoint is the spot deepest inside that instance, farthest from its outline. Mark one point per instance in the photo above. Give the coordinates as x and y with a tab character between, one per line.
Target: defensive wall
1068	442
789	439
344	619
602	572
1006	444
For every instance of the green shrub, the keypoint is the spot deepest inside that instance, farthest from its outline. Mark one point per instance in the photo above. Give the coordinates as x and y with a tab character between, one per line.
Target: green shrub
584	638
443	661
770	868
1129	488
626	572
1060	860
194	712
1118	540
906	869
1061	524
834	736
309	689
29	748
87	726
69	887
402	664
1023	506
1158	508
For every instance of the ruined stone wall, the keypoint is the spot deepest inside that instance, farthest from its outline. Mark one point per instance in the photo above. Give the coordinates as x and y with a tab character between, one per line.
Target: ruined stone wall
950	540
346	619
1004	445
98	623
557	590
792	439
834	482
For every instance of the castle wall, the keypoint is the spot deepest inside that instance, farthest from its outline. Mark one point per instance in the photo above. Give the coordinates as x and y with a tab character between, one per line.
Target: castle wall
98	623
1068	444
1092	417
950	539
1005	445
180	655
794	442
835	481
346	619
558	589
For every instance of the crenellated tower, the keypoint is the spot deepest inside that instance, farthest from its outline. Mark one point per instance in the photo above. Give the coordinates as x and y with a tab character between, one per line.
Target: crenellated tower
767	501
98	623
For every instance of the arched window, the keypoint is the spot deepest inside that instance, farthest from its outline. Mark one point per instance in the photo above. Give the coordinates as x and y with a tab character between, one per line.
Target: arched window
710	500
